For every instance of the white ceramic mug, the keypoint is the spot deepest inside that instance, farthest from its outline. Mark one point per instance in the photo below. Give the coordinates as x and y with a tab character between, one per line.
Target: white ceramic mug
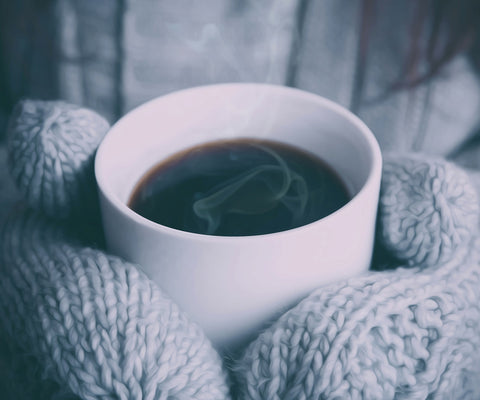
233	286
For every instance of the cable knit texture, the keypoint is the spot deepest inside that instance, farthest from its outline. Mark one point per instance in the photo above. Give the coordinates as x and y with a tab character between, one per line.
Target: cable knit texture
411	333
407	334
51	148
97	322
99	328
428	208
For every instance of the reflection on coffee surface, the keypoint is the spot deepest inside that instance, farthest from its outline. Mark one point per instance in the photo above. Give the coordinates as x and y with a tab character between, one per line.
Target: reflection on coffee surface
239	187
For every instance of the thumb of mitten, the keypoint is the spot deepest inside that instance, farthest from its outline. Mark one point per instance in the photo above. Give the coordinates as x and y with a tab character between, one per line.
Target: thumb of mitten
428	209
51	146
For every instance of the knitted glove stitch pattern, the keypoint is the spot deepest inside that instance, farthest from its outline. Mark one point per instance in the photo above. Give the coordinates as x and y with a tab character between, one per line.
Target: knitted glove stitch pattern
97	327
51	146
97	324
428	208
410	333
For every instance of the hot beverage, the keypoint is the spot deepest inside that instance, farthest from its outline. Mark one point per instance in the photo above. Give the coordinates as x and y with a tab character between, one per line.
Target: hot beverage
239	187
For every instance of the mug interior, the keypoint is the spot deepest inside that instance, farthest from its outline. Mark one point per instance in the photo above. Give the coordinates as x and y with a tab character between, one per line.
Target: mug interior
168	124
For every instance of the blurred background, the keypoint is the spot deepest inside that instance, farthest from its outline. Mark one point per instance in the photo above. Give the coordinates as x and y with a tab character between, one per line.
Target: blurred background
112	55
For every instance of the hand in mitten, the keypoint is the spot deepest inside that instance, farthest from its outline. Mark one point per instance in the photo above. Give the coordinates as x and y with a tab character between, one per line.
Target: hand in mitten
408	333
101	329
96	325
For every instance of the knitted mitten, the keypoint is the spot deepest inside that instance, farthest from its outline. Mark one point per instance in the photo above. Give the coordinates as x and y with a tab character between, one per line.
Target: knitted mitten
96	324
100	328
51	146
410	333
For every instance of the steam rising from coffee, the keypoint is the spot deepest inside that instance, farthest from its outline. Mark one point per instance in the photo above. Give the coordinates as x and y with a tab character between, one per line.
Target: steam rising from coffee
254	192
239	187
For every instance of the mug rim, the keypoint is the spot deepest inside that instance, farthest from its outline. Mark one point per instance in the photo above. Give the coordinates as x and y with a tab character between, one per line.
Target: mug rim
375	158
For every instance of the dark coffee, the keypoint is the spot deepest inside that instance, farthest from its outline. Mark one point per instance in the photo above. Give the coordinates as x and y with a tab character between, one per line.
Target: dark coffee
239	187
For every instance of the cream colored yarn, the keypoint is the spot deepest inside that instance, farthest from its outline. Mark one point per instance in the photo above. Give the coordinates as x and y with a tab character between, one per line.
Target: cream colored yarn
428	208
98	325
410	333
100	328
51	145
407	334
